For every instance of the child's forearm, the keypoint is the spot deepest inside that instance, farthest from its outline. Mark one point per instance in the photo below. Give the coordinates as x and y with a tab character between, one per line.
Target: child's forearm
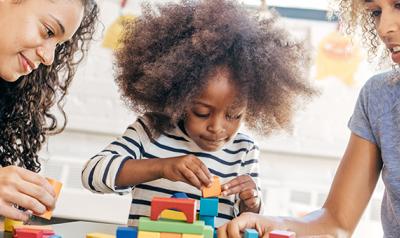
136	172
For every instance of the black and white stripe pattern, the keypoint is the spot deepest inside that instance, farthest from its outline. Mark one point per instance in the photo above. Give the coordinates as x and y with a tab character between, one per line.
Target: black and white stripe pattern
237	157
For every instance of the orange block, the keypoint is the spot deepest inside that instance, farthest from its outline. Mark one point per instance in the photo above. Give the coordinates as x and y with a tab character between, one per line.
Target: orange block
57	188
170	235
214	190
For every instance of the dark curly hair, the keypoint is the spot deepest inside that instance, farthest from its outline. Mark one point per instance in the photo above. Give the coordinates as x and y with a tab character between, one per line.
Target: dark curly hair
25	116
167	54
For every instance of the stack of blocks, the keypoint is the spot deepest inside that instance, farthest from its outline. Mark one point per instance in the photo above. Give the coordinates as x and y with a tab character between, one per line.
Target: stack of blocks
28	231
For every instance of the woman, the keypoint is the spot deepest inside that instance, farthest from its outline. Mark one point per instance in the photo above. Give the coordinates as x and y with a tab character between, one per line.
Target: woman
39	39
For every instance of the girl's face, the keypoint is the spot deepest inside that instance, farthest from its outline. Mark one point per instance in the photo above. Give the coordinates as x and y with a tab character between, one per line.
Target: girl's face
387	19
30	31
216	115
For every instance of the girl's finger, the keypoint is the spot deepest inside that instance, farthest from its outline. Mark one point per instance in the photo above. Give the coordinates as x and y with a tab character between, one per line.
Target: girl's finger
191	177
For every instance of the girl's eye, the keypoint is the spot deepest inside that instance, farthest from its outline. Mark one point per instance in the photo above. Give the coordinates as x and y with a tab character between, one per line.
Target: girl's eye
233	117
202	115
397	5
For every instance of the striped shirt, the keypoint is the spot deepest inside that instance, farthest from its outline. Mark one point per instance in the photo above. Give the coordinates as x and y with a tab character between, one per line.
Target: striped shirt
239	156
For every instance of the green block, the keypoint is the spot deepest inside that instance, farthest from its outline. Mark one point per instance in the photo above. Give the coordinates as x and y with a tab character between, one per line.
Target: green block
208	232
145	224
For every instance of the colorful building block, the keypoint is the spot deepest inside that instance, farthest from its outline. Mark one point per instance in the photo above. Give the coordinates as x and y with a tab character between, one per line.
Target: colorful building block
187	206
281	234
99	235
173	215
208	232
179	195
250	233
27	233
44	230
209	206
126	232
170	235
148	234
55	236
145	224
10	223
192	236
208	220
214	190
57	189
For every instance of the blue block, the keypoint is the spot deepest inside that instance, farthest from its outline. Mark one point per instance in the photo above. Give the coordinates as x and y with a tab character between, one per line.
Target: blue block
208	220
209	207
127	232
250	233
179	195
54	236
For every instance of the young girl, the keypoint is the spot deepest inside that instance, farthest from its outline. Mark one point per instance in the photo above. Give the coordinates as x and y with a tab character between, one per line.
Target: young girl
374	144
39	39
195	71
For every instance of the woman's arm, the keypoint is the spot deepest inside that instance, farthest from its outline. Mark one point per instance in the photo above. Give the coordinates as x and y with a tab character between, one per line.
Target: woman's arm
353	185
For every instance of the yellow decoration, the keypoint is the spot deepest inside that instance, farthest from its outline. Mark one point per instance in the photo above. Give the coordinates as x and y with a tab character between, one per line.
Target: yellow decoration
173	215
9	224
338	57
115	31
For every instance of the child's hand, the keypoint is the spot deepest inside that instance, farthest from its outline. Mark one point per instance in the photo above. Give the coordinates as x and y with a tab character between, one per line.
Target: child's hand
188	169
245	186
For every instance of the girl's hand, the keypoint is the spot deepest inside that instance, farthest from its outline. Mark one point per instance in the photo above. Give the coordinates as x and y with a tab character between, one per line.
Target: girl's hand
236	227
245	186
26	189
188	169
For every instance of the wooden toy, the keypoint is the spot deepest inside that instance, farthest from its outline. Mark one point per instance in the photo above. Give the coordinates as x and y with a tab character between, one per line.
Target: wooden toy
44	231
145	224
179	195
10	223
27	233
148	234
99	235
191	236
173	215
208	220
126	232
214	190
250	233
187	206
170	235
282	234
208	207
57	188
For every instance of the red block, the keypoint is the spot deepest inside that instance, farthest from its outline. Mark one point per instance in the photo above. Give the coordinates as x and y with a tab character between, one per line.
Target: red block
282	234
187	206
27	233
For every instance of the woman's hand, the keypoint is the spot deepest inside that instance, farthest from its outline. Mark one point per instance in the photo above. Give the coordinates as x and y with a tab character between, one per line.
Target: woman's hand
26	189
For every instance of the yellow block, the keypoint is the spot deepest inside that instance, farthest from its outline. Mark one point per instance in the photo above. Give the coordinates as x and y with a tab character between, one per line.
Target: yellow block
9	224
173	215
170	235
191	236
99	235
148	234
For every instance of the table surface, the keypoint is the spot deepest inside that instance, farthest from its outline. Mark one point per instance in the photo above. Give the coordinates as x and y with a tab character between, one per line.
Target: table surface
77	229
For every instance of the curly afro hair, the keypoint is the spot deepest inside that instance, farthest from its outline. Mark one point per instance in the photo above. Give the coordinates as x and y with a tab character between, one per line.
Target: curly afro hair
167	53
25	115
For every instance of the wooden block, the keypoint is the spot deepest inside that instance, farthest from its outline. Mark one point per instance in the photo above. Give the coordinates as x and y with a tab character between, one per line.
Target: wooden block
57	189
148	234
99	235
27	233
126	232
10	223
208	232
208	220
45	231
145	224
170	235
173	215
250	233
209	207
281	234
187	206
192	236
214	190
179	195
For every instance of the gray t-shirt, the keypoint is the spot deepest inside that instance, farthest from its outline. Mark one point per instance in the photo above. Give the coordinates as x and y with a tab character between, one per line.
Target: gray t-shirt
376	118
